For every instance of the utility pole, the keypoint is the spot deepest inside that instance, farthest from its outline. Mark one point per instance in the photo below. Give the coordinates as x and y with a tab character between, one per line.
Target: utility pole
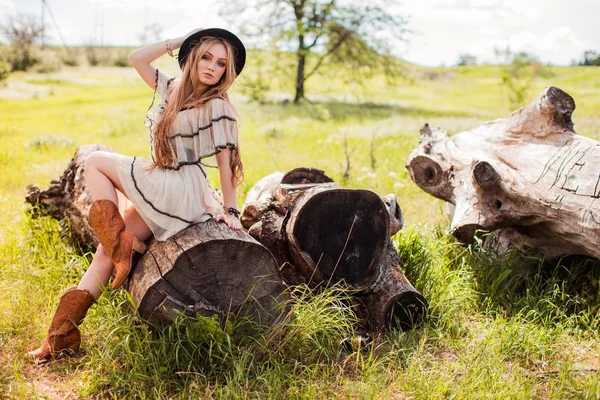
43	12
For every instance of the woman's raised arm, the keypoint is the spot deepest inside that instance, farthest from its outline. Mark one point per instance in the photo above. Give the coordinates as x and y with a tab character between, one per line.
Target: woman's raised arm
141	58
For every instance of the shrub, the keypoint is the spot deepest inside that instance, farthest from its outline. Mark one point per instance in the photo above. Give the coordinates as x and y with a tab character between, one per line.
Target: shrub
4	71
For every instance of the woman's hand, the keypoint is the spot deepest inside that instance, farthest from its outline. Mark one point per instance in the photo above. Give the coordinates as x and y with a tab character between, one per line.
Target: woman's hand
231	220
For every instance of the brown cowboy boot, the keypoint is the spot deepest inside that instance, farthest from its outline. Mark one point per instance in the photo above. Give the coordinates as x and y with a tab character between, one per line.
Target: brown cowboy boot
63	334
118	243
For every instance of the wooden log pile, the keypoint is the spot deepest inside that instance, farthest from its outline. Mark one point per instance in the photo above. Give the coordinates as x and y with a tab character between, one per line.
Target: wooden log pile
207	268
529	179
323	234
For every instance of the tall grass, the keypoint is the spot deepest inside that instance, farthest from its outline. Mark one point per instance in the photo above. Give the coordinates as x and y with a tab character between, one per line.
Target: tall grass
515	326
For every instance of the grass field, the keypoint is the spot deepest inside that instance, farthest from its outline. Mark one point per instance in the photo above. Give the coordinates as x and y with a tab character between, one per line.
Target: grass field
517	327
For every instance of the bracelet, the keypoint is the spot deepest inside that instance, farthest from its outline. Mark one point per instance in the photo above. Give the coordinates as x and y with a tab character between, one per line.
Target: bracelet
169	48
233	211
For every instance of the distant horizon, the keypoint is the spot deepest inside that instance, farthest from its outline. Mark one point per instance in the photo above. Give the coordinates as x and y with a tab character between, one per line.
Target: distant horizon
442	30
132	47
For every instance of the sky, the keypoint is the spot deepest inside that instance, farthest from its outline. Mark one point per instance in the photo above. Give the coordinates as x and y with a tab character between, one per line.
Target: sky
555	31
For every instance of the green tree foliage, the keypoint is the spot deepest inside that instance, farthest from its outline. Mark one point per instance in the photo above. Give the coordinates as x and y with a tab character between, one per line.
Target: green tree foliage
518	73
590	57
466	59
353	34
4	71
22	31
151	33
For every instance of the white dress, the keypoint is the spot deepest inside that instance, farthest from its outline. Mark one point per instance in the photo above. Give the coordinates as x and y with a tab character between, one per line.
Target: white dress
169	200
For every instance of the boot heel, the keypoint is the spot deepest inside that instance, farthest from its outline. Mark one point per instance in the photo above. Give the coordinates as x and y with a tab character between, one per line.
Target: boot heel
138	245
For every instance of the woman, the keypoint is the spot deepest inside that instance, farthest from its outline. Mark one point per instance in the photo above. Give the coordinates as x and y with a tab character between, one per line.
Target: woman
195	120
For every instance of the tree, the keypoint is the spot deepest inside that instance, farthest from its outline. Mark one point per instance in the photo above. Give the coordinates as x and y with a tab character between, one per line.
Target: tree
151	33
22	31
466	59
590	57
519	70
353	33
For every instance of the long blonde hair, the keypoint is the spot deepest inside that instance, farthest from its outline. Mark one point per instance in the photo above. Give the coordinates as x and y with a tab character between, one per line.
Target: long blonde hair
188	94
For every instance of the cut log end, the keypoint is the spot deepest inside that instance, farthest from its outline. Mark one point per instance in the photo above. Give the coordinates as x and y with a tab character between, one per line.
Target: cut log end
344	232
207	269
406	311
562	105
485	175
467	233
430	176
305	175
426	172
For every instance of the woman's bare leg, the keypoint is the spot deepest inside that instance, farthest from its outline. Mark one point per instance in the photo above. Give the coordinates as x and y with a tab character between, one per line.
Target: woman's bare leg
99	272
101	175
103	182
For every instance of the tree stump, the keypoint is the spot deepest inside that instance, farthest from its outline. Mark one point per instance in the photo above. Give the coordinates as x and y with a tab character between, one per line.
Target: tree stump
529	178
67	199
323	234
207	268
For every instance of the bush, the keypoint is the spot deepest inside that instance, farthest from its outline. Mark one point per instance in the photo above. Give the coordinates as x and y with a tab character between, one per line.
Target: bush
22	59
70	58
121	61
4	71
21	31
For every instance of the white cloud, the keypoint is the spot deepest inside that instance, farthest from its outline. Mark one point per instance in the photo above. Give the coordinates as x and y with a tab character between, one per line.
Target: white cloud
443	29
7	7
530	9
556	34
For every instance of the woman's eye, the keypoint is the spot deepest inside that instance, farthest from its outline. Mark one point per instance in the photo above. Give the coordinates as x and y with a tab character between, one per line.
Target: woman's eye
221	65
205	57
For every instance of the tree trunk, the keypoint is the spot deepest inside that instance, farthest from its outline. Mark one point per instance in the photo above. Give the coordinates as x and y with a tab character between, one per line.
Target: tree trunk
206	268
529	178
323	234
300	76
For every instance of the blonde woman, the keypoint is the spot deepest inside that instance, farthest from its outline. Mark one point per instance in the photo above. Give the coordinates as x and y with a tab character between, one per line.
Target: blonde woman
195	120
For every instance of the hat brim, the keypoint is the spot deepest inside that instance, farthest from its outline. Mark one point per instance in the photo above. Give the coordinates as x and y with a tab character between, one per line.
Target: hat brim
238	47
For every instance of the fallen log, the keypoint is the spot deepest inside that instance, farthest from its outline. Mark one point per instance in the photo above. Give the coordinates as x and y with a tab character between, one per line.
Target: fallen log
322	234
206	269
67	199
530	179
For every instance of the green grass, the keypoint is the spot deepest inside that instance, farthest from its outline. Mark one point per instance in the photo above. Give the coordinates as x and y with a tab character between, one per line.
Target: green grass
500	327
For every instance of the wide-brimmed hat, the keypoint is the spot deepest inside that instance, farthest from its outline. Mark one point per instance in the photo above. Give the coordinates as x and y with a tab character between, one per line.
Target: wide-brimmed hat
239	51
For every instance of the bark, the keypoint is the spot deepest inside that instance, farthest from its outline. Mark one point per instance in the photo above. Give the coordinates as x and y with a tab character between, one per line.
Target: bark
322	234
67	199
530	179
300	76
207	268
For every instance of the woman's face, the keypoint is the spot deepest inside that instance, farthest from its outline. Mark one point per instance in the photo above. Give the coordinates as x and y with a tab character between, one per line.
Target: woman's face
212	65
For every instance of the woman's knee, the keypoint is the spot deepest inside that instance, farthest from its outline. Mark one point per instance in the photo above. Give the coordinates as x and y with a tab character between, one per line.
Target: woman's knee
96	159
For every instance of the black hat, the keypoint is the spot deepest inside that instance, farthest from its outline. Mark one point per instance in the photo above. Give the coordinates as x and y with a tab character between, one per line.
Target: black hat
239	51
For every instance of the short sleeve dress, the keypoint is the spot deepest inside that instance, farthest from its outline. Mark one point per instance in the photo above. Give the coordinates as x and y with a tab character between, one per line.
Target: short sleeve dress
171	199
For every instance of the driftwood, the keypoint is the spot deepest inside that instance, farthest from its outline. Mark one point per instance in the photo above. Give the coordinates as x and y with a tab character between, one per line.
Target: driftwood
322	234
529	178
206	269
